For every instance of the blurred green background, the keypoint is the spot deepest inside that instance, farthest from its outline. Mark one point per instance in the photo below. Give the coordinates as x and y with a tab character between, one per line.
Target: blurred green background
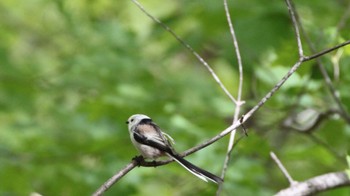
72	72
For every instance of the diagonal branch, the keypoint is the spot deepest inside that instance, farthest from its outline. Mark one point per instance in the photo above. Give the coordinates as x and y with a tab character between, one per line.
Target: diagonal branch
324	73
228	130
216	78
236	123
283	169
115	178
246	116
308	58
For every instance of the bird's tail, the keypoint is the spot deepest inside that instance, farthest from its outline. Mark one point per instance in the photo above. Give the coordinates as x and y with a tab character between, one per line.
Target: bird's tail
200	173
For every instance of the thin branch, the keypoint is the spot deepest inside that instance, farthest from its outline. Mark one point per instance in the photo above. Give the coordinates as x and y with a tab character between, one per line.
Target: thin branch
283	169
296	29
308	58
273	90
246	116
263	100
232	127
115	178
332	89
239	96
317	184
290	72
229	129
324	73
267	96
216	78
238	55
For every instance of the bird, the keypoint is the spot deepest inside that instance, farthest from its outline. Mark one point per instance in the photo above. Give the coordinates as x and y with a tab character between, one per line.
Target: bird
153	143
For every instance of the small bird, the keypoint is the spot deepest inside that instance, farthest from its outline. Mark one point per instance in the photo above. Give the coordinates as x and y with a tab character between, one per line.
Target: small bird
152	143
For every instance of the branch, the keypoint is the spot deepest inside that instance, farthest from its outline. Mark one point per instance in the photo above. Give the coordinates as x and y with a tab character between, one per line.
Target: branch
229	129
283	169
308	58
296	29
239	96
246	116
216	78
324	73
239	59
232	127
262	101
317	184
115	178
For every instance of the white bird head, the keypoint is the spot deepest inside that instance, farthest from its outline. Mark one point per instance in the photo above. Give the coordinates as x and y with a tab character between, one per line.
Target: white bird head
135	119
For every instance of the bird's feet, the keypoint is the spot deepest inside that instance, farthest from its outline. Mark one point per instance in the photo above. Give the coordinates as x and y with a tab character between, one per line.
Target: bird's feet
154	162
138	160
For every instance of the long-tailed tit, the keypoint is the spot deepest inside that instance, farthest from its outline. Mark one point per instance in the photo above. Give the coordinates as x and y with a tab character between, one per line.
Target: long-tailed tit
152	143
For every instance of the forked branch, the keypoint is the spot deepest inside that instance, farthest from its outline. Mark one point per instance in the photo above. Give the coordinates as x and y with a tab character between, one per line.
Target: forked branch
317	184
338	178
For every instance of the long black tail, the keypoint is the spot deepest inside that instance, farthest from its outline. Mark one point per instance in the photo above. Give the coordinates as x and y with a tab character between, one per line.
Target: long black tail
200	173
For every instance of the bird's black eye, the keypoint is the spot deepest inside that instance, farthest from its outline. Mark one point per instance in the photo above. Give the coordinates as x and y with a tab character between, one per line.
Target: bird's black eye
131	120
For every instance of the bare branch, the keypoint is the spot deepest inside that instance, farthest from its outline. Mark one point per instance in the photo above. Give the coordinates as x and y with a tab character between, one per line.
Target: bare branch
324	73
216	78
236	122
245	117
115	178
264	99
283	169
296	28
232	127
317	184
308	58
239	96
273	90
238	55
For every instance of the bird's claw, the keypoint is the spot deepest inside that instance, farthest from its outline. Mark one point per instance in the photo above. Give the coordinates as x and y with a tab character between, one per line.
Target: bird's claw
138	160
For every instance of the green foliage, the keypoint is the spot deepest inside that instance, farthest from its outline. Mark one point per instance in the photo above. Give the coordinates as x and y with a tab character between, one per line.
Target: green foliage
72	72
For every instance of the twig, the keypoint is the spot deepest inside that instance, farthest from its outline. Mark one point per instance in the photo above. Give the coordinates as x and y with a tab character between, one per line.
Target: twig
324	73
283	169
273	90
232	127
239	59
264	99
296	29
239	96
308	58
246	116
216	78
115	178
229	129
317	184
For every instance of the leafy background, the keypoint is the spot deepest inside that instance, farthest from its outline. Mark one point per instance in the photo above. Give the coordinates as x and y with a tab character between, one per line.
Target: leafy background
72	72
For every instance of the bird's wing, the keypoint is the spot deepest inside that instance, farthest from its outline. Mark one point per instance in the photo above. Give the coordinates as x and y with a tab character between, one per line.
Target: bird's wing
153	138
